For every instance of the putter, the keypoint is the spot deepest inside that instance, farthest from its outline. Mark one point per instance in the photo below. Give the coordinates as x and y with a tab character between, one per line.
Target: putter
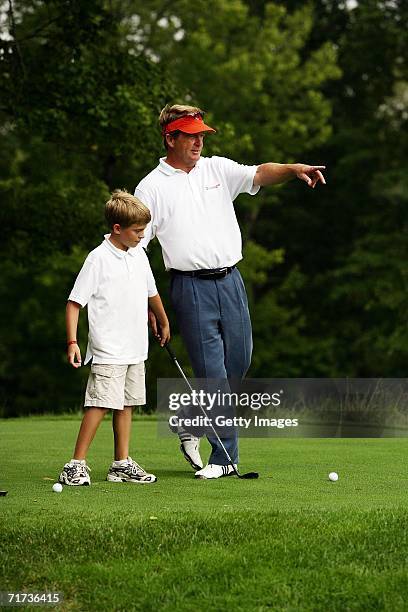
249	475
3	493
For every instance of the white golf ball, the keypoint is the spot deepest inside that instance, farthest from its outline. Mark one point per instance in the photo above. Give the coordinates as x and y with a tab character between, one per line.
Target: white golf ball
333	476
57	487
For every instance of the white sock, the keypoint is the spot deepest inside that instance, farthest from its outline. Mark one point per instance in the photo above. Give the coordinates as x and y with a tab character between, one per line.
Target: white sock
81	461
120	462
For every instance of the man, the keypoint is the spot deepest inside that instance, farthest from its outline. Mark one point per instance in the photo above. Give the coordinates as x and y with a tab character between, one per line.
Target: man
191	202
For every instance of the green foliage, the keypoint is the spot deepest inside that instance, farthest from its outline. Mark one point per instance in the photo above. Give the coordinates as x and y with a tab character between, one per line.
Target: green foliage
349	239
81	88
33	357
250	74
82	121
367	283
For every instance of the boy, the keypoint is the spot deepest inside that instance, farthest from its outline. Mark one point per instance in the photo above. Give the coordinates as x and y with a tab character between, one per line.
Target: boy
117	284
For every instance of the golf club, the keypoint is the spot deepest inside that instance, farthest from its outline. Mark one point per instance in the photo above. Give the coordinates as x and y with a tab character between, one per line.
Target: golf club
249	475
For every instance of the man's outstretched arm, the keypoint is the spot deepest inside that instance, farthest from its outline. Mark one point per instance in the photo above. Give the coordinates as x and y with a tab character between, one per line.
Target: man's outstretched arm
273	174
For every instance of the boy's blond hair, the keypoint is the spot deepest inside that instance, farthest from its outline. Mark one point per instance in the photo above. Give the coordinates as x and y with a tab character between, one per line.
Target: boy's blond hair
125	209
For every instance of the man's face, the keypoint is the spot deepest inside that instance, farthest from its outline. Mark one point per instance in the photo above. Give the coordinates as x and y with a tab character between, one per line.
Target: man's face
187	148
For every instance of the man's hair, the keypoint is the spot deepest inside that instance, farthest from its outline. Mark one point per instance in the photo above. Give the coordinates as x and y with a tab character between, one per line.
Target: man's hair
125	209
171	112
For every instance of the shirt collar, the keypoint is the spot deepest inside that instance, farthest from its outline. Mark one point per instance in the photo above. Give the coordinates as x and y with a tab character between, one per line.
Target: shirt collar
169	170
118	252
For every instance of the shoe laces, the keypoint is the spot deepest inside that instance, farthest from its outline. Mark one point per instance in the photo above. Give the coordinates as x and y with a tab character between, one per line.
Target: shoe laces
82	469
135	467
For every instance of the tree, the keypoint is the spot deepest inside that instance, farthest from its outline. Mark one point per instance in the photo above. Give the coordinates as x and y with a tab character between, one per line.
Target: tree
74	103
350	246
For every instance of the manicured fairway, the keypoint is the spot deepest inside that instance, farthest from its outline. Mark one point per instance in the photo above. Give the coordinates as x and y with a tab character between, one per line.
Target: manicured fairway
290	541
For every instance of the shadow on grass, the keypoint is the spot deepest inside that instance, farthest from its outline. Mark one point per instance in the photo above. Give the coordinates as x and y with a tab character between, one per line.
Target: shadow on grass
174	474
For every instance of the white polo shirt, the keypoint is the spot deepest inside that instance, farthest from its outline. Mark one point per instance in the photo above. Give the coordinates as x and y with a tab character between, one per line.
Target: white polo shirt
193	214
115	285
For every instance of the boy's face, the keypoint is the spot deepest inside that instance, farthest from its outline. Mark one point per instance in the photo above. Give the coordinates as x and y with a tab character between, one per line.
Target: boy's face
127	237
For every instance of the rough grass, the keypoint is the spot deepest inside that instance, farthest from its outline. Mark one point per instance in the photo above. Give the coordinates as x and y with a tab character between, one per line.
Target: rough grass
290	541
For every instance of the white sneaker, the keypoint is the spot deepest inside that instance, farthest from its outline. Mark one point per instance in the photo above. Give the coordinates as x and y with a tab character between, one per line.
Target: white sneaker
130	472
215	471
190	450
75	473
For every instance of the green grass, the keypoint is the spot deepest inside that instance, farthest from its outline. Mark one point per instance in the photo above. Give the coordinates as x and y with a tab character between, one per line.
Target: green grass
291	540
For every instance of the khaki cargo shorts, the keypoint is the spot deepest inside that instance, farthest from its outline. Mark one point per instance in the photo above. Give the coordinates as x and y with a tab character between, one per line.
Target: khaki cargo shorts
116	386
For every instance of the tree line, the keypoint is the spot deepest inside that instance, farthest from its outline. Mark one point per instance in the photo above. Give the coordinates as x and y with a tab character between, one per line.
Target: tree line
320	82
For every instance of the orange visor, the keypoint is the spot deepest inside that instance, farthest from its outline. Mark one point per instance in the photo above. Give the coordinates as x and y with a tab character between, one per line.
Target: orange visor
190	124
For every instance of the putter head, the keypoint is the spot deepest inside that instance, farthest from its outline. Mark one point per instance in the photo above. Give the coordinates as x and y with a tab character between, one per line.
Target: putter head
249	475
3	493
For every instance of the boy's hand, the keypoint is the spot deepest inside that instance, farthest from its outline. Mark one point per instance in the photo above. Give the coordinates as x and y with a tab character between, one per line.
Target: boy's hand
158	320
153	322
163	334
74	352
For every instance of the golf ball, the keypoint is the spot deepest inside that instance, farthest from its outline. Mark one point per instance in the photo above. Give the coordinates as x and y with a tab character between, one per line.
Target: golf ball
57	487
333	476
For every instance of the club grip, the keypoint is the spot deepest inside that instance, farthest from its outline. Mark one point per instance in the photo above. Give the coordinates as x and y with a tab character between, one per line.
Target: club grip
170	352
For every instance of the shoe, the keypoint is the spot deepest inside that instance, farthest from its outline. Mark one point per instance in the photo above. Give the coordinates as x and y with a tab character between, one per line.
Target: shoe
190	450
130	472
215	471
75	474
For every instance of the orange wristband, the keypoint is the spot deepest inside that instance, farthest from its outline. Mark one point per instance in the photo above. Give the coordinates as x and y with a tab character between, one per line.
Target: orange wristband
72	342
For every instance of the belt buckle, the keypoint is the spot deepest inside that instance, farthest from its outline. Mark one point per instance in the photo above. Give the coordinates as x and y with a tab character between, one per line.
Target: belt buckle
222	272
214	274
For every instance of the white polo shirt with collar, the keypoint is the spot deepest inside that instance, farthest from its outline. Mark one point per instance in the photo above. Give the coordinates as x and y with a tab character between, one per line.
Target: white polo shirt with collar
193	214
115	285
